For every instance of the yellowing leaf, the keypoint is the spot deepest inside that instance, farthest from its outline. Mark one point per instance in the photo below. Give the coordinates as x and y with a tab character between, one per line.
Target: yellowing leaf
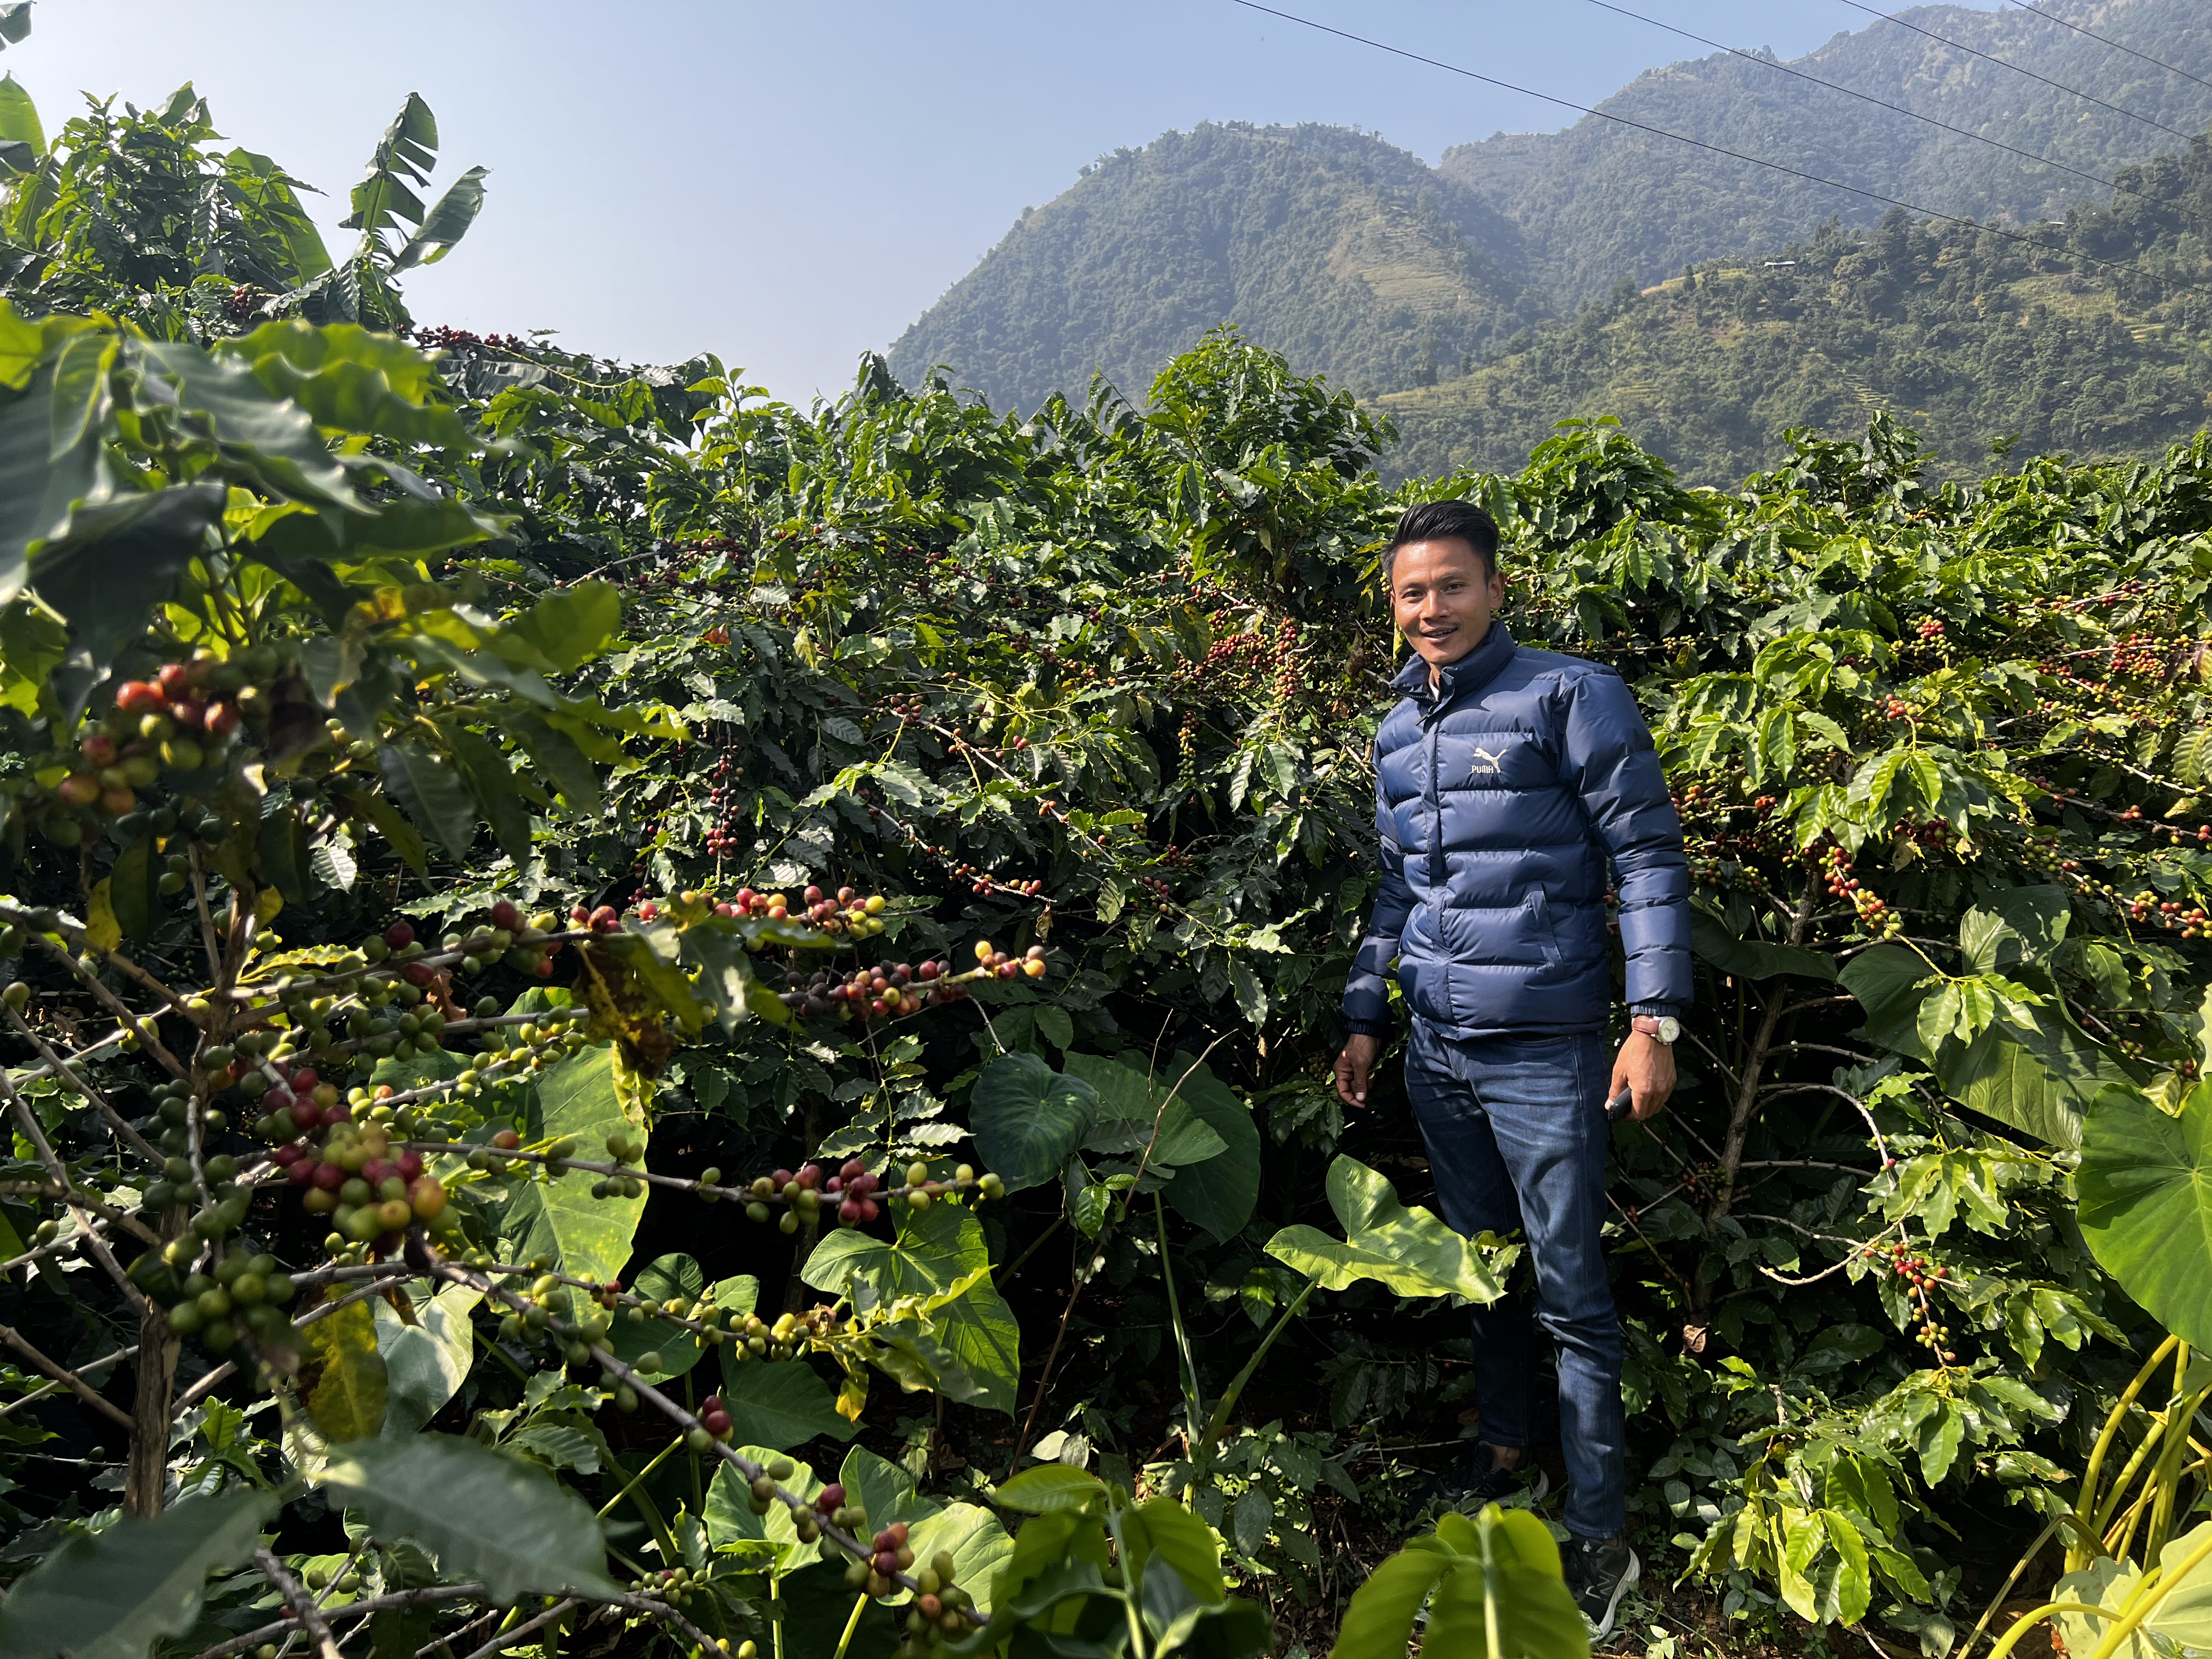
347	1400
101	930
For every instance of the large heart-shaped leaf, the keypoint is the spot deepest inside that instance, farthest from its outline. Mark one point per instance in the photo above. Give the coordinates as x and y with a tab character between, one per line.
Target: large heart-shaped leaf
425	1362
730	1518
1409	1250
2145	1186
111	1595
1216	1194
483	1514
1028	1119
782	1403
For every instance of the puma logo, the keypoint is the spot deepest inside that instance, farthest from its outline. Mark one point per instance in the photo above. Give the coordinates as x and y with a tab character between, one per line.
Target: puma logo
1486	764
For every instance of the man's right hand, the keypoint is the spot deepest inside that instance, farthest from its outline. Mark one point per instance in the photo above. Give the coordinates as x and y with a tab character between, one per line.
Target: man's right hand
1353	1065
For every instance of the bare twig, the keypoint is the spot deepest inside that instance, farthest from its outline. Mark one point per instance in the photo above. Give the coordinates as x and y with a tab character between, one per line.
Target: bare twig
297	1599
138	1143
62	1375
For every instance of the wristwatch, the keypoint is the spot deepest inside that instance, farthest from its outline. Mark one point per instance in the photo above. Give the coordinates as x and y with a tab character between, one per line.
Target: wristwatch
1665	1028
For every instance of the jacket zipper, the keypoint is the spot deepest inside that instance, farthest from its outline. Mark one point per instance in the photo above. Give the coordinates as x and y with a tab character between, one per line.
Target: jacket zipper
1435	723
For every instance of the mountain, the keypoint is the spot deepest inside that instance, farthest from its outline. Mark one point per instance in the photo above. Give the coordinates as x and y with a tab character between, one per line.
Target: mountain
2101	349
1480	300
1601	201
1328	245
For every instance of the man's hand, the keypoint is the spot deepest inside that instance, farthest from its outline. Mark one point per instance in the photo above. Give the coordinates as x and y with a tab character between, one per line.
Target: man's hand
1358	1059
1645	1067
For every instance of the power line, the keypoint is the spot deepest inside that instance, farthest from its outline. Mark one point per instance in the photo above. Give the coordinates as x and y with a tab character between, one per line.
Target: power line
1883	103
1682	137
2072	92
2170	69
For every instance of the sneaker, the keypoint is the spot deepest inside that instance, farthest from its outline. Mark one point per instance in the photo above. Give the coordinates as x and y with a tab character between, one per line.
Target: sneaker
1599	1573
1476	1481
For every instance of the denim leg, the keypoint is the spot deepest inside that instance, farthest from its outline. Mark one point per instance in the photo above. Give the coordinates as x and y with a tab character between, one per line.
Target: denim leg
1542	1100
1475	1191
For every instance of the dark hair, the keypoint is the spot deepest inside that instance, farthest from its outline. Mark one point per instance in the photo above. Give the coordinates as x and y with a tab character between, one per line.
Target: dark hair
1444	521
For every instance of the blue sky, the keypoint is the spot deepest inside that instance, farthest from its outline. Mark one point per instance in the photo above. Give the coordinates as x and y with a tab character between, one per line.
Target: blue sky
788	185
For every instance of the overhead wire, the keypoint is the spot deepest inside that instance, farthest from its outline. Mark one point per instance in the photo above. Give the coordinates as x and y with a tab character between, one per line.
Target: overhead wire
2106	39
1883	103
1975	52
1685	138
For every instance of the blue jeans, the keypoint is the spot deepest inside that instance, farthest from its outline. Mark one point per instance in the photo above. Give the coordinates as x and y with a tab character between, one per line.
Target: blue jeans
1517	1139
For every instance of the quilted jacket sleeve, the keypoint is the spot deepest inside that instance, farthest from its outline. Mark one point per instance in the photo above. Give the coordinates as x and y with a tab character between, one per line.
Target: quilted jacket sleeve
1609	758
1367	993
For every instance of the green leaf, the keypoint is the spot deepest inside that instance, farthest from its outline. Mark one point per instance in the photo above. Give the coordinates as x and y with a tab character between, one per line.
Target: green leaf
2145	1190
1049	1487
1028	1119
482	1515
1754	959
445	224
114	564
348	1401
1135	1111
1886	979
19	116
1379	1623
80	393
1217	1194
935	1250
565	628
426	1363
589	1237
497	799
661	1279
113	1593
782	1403
36	491
971	1536
431	793
885	1491
1162	1531
1408	1249
730	1519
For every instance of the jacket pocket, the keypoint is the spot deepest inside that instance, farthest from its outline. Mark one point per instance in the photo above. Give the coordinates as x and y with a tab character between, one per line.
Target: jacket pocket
1541	928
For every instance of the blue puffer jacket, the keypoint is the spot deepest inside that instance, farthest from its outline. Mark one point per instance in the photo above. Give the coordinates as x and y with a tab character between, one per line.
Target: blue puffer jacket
1500	798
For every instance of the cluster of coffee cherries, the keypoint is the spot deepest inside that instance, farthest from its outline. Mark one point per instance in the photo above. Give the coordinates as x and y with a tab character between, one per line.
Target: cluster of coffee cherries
857	915
1873	910
371	1193
1920	1276
242	1294
854	1190
520	942
886	991
183	720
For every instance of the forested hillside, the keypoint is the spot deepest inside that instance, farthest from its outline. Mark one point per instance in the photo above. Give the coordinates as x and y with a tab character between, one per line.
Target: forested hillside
1328	245
2100	350
1600	201
1355	260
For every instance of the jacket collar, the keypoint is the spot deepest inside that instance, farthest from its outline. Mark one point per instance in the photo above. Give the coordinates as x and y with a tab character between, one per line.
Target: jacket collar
1468	675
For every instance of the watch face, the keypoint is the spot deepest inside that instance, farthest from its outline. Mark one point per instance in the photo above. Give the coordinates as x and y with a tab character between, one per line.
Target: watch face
1669	1029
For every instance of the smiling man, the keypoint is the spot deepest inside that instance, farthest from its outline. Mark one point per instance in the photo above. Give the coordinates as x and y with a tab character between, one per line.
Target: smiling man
1517	791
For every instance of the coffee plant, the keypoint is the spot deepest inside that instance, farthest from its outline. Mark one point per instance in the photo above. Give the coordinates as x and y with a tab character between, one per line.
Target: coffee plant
528	876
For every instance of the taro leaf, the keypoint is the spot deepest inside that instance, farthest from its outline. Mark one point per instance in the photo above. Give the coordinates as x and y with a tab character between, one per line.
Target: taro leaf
1216	1194
2145	1191
424	1363
782	1403
1028	1119
1409	1250
2184	1615
1530	1604
1135	1112
971	1536
910	1355
433	794
483	1514
347	1400
113	1593
936	1249
730	1519
661	1280
117	561
1742	958
589	1237
497	799
886	1491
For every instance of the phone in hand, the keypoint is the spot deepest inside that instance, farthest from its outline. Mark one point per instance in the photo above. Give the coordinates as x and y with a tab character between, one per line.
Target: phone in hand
1619	1106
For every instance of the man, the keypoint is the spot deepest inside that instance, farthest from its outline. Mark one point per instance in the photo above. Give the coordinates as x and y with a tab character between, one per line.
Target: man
1506	783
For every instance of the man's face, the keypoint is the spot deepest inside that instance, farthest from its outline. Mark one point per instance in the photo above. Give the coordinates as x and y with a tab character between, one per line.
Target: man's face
1442	596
